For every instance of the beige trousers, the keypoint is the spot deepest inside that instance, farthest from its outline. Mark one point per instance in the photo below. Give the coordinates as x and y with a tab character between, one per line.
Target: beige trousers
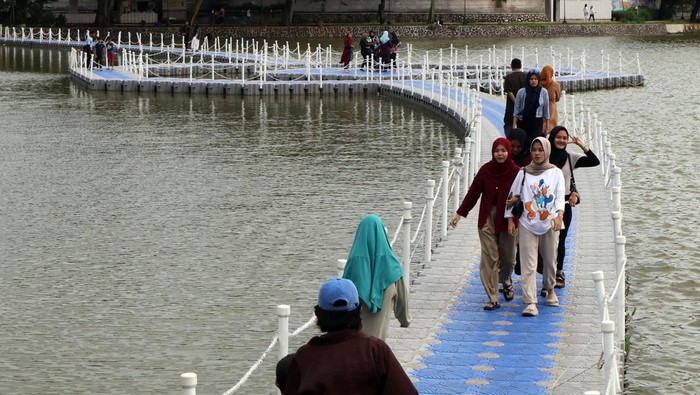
377	324
497	257
530	244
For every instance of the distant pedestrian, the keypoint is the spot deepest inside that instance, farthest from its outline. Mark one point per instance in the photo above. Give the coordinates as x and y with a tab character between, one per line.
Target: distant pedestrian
365	49
348	50
591	14
111	48
100	52
585	12
87	49
512	83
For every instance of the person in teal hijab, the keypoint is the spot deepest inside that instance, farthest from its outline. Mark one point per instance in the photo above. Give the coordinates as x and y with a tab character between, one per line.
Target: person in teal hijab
376	272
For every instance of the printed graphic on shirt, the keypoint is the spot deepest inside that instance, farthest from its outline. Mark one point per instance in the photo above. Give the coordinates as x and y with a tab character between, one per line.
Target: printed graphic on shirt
541	198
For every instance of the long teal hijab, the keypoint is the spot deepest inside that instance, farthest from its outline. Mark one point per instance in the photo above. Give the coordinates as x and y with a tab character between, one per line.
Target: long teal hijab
372	265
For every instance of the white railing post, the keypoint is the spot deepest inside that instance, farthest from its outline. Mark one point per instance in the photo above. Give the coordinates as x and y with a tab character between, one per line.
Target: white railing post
468	153
617	222
283	312
407	206
189	383
430	191
445	195
616	189
340	265
620	295
465	165
455	191
598	279
610	373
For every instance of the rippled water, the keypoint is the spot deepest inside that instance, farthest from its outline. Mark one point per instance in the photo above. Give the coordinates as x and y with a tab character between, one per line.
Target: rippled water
144	236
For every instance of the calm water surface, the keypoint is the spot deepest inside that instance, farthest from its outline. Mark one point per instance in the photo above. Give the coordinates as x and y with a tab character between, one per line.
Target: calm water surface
144	236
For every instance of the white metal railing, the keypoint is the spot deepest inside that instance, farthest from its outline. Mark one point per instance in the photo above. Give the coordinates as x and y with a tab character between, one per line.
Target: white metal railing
586	124
448	188
486	74
438	84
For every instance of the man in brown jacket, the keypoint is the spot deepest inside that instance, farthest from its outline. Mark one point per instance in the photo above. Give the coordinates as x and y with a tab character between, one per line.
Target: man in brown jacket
344	360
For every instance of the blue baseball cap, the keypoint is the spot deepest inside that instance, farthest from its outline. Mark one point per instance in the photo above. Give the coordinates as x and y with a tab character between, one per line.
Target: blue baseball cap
338	294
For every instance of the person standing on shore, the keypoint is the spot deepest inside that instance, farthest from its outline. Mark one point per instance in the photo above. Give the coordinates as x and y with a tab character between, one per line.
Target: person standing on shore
585	12
512	83
591	14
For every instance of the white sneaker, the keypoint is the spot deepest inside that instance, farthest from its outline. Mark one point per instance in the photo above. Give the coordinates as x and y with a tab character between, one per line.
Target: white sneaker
552	299
530	310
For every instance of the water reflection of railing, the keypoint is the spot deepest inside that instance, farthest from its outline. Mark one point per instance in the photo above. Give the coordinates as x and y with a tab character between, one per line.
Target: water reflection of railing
586	124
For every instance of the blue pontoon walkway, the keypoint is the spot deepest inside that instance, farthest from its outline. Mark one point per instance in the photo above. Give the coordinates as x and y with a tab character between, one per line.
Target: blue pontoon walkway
453	346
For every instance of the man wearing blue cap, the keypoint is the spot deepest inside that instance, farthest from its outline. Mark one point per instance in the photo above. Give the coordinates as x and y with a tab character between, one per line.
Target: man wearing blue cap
344	360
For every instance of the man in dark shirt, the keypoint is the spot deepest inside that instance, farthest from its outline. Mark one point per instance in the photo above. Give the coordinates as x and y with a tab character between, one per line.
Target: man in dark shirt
512	83
344	360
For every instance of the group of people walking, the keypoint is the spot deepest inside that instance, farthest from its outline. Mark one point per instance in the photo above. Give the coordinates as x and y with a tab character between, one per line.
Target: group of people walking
376	51
99	51
527	192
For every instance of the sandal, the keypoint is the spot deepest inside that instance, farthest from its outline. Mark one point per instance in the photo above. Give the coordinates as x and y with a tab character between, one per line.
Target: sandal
491	306
543	292
508	293
561	281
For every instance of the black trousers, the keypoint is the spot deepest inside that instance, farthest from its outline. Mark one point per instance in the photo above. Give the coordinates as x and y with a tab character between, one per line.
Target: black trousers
533	128
561	249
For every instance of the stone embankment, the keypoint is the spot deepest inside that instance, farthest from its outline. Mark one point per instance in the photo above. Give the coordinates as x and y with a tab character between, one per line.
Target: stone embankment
447	31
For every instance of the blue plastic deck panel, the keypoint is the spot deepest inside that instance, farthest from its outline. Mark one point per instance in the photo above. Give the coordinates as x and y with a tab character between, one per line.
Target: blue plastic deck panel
500	351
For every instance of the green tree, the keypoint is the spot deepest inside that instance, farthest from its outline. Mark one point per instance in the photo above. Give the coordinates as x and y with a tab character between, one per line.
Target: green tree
288	12
694	11
103	15
431	13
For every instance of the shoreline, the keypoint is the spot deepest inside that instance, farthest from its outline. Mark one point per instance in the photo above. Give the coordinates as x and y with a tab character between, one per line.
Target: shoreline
575	29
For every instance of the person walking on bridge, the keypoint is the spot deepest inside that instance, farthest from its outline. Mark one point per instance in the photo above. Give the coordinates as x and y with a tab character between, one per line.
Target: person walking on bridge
512	83
377	274
559	138
540	187
492	183
532	107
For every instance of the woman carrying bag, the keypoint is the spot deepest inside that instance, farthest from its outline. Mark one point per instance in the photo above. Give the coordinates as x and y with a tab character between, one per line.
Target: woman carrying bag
492	183
540	188
559	138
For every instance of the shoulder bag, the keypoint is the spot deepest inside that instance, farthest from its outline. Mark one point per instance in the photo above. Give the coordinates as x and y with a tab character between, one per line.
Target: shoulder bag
519	207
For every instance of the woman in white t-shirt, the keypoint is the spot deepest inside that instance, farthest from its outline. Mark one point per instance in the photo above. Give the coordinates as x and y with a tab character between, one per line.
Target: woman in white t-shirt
541	188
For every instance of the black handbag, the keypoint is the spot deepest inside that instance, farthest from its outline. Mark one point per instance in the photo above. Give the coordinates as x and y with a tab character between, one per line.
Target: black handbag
573	183
519	207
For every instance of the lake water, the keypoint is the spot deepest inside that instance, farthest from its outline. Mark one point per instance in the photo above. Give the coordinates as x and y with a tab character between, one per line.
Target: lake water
145	236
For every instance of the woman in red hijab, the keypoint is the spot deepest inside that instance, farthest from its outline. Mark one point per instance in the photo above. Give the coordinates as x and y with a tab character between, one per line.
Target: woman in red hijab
492	184
346	58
